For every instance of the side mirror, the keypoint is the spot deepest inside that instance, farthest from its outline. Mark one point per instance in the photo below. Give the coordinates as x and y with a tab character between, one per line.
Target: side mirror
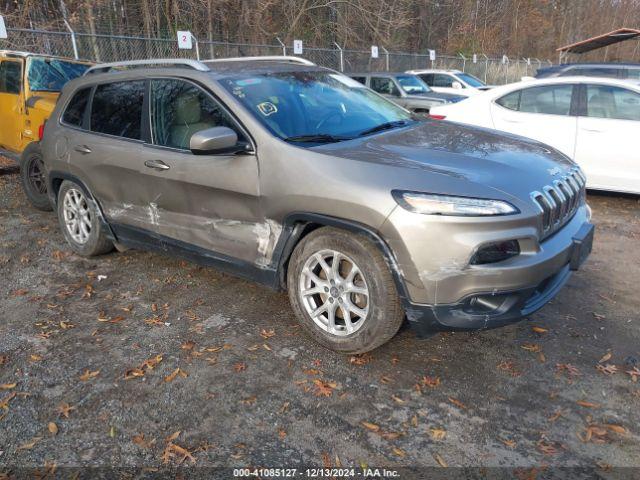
456	85
213	140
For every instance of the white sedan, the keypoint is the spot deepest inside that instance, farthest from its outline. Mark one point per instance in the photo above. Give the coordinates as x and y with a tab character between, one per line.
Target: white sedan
595	121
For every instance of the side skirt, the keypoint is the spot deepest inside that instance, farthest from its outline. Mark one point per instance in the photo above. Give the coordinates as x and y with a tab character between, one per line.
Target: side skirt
145	240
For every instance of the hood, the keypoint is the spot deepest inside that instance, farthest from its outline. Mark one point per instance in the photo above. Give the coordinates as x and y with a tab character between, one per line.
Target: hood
459	154
443	96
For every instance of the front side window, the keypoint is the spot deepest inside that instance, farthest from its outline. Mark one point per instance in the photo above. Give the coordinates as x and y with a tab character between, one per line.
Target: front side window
470	80
604	101
10	74
427	78
442	80
384	86
412	84
74	114
50	74
318	106
550	99
180	109
117	109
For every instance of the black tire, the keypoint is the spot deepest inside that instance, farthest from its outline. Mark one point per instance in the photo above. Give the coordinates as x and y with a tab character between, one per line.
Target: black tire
385	312
33	179
97	242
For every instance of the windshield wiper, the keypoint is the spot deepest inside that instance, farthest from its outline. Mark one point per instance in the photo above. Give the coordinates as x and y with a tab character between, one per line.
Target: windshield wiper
316	138
384	126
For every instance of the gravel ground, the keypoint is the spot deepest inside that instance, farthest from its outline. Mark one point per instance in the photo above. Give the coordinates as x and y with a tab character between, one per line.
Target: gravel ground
144	361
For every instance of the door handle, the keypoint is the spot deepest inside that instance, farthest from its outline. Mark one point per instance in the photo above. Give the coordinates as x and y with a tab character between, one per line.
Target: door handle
157	165
594	130
508	120
82	149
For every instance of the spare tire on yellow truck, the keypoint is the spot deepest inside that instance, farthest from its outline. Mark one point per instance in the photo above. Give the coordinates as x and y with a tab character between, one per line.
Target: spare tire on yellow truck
30	85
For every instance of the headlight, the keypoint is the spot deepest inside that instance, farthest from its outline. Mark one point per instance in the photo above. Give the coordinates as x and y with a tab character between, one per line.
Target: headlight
430	204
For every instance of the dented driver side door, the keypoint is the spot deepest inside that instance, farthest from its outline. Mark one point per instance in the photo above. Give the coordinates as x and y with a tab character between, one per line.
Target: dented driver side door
209	202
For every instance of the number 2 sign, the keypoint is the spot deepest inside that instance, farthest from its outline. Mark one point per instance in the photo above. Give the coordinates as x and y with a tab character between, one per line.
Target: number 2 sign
184	40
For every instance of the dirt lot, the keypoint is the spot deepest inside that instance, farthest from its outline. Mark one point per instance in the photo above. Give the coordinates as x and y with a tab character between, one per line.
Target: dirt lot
138	360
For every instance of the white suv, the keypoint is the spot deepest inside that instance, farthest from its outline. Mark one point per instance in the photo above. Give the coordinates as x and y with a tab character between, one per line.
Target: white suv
451	81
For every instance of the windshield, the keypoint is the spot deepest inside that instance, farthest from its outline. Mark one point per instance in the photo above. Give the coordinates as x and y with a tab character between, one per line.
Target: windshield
470	80
412	84
315	107
50	75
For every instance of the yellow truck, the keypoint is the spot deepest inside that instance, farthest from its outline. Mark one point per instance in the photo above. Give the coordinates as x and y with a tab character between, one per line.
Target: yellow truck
29	88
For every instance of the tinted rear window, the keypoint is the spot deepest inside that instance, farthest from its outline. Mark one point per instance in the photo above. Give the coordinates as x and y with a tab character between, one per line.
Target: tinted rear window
74	113
117	109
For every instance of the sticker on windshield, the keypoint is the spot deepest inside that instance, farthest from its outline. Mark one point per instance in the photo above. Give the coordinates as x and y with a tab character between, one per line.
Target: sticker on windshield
248	81
267	108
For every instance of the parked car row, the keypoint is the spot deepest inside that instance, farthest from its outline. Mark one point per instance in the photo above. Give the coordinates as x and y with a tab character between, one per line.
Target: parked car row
29	87
305	180
594	121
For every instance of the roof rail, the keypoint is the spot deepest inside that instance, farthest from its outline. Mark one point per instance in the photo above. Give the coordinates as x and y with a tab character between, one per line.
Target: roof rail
266	58
183	62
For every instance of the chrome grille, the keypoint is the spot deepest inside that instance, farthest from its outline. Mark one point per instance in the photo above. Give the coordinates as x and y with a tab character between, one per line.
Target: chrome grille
559	201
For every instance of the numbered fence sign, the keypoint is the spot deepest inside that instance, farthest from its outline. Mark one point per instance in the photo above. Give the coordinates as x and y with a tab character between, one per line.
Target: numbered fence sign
475	58
184	40
432	55
3	29
505	59
297	47
374	51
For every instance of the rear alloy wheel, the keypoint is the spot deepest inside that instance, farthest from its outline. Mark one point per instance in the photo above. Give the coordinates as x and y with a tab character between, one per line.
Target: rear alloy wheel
342	291
32	176
80	221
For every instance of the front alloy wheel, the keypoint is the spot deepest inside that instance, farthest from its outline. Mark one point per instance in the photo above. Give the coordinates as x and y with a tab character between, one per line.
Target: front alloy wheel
334	292
342	291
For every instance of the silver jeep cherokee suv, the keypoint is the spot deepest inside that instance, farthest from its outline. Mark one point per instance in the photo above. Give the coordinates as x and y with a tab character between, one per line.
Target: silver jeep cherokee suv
303	179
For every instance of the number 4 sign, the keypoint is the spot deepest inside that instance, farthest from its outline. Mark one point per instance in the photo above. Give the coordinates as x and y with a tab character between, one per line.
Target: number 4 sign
184	40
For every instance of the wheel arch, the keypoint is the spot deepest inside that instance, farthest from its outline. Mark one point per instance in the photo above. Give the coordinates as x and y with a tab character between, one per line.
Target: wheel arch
54	182
297	226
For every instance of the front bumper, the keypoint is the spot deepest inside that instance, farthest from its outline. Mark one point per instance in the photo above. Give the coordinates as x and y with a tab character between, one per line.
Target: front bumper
445	292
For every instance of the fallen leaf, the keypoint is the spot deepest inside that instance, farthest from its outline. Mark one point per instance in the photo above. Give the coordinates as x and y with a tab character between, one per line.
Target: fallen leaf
8	386
88	374
188	345
431	382
457	403
267	333
507	442
64	409
174	374
437	433
584	403
360	360
133	373
619	429
607	369
398	400
606	357
142	442
635	373
399	452
370	426
240	367
29	445
539	329
324	389
53	428
440	460
282	434
531	347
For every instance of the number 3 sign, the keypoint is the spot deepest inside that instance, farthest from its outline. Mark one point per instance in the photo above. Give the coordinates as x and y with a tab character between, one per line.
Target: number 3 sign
184	40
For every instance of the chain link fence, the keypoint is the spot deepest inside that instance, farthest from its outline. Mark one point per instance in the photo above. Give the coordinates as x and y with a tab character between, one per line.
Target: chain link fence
111	48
